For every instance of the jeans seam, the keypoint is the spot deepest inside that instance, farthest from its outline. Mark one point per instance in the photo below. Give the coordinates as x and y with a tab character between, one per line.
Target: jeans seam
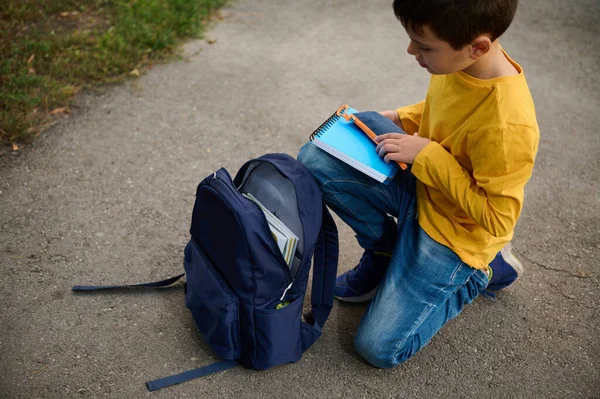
350	209
409	213
356	216
425	313
453	277
359	183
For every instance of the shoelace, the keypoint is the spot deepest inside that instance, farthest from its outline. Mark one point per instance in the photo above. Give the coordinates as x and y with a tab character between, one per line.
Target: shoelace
490	296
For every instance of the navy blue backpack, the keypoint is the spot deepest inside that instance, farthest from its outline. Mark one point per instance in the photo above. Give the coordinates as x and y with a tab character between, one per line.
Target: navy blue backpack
245	299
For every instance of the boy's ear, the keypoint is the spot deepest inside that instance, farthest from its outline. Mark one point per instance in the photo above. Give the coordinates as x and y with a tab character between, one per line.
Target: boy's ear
480	46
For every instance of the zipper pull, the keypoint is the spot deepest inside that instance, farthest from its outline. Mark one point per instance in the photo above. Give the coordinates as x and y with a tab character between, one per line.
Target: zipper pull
286	290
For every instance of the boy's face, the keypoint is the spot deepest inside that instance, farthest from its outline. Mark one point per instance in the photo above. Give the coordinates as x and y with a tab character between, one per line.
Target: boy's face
437	55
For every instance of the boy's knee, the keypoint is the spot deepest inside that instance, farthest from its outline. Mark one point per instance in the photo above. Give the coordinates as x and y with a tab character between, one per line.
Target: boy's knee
309	155
381	353
371	349
323	166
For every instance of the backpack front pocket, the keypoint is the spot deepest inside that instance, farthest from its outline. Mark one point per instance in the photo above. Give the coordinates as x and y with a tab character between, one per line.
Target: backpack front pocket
278	332
213	304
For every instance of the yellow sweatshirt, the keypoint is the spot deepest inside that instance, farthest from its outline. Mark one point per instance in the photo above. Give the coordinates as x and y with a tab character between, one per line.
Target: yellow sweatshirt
472	176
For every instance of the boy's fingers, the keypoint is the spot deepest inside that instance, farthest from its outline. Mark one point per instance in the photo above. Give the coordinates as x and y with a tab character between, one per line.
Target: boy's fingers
381	145
388	141
381	137
386	136
390	157
387	148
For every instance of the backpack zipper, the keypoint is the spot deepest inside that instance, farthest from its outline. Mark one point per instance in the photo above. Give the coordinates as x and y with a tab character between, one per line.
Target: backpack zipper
286	290
235	193
223	182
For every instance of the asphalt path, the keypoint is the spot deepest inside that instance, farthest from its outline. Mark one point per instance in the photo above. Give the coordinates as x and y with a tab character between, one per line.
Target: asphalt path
106	196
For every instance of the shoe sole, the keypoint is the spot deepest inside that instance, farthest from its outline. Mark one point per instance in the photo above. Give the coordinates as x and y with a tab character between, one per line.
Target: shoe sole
358	299
512	260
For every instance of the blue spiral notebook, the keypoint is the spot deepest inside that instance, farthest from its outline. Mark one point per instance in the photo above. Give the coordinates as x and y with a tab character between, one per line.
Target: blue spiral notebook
347	142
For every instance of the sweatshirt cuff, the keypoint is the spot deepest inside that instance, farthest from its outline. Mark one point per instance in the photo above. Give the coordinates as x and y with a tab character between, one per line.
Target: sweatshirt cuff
406	122
419	167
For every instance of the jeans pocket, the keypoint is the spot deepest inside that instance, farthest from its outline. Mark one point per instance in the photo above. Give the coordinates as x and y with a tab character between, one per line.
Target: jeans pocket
213	304
278	333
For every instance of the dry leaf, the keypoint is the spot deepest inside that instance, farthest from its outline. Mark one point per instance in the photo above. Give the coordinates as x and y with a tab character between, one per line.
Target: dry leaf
15	147
31	58
210	40
135	73
582	273
62	110
64	14
31	71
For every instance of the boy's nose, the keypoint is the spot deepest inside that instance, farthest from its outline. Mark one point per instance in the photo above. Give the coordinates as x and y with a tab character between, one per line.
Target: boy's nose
412	48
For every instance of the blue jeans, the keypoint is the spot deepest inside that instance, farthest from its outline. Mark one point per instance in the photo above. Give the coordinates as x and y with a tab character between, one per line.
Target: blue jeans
426	284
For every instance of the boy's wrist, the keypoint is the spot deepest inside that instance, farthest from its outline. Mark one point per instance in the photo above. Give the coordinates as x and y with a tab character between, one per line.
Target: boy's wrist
399	123
393	116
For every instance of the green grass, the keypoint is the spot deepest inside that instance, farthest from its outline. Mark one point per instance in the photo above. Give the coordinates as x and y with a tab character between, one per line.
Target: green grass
50	49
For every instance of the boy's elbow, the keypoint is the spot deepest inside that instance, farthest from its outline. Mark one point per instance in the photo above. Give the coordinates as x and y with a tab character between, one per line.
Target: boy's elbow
501	214
500	225
499	231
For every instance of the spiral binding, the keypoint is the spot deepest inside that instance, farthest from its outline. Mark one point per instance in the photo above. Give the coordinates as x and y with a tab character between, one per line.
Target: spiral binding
325	125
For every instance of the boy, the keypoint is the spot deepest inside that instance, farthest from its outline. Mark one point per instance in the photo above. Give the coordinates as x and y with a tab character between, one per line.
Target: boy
472	144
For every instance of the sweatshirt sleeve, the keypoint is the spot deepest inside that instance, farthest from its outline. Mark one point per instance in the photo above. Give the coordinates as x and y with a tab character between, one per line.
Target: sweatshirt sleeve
410	116
502	159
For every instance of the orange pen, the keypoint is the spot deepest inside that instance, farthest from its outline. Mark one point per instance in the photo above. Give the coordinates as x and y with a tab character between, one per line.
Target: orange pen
349	117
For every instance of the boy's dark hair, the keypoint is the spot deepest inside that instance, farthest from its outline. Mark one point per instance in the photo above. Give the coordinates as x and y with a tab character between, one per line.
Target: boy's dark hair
457	22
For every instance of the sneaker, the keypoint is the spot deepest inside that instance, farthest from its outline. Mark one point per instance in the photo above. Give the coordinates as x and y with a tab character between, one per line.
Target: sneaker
360	284
505	269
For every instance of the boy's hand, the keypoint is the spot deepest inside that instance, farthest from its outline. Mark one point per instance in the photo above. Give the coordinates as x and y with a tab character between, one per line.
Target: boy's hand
393	116
400	147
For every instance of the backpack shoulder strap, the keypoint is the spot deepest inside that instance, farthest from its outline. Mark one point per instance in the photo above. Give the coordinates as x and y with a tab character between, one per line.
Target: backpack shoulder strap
324	273
155	284
191	374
